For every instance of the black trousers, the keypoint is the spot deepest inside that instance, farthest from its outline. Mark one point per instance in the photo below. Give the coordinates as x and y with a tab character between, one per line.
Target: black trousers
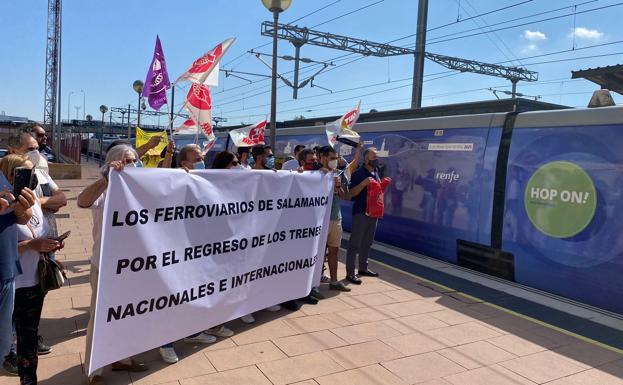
26	315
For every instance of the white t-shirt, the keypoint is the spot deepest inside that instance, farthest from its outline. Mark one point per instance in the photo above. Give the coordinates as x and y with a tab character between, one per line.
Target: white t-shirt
291	165
43	178
29	259
97	208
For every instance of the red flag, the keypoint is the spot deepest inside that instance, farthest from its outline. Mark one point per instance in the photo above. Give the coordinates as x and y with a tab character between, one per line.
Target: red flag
199	105
249	135
202	67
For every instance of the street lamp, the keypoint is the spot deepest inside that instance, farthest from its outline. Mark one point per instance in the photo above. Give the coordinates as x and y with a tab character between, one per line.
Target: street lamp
84	100
68	101
103	110
274	6
138	88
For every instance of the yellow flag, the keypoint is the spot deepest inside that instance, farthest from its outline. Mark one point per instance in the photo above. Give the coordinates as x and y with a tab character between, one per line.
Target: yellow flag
152	157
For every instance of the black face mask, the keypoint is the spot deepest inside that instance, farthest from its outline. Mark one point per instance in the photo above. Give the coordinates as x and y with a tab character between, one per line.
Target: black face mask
374	163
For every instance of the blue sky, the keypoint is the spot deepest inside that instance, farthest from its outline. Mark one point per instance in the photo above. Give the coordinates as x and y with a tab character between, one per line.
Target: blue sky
107	45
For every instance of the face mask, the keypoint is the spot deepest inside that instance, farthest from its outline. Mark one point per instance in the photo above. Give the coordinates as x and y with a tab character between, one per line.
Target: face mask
333	164
374	163
132	165
139	163
199	166
270	163
34	157
238	167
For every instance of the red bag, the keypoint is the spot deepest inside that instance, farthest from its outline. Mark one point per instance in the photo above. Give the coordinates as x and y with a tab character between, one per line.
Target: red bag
376	202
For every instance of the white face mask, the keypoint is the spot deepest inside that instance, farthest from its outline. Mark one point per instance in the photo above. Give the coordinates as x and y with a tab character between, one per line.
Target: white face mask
133	165
333	164
34	157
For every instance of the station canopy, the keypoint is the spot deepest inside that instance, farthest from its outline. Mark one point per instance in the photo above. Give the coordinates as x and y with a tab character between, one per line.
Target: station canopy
610	77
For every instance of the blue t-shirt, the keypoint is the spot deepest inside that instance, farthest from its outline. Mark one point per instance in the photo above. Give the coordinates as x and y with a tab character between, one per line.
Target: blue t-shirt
360	202
9	267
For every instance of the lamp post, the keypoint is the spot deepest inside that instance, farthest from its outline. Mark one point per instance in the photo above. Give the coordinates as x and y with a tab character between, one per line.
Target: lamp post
138	88
68	101
103	110
84	101
276	7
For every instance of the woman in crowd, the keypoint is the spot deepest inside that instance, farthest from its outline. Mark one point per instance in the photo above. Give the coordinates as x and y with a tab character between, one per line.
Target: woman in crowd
32	241
225	160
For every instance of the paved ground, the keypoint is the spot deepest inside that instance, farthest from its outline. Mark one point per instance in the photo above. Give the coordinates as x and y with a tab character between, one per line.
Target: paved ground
397	329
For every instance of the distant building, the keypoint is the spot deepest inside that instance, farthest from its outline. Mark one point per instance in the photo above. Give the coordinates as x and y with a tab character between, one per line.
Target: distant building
10	125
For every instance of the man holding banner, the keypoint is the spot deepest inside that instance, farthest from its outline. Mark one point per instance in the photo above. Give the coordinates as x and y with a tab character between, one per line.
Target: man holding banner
94	197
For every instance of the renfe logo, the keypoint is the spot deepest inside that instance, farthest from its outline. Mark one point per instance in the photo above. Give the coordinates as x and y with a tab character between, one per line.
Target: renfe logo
450	177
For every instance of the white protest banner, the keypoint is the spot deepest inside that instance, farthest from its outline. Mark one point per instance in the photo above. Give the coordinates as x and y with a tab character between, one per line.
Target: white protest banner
183	252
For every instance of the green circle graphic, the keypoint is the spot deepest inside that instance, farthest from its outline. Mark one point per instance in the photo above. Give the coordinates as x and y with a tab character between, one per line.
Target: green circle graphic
560	199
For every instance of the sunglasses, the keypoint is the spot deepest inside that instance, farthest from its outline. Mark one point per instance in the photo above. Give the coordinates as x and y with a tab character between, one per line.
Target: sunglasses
128	161
40	135
234	163
33	148
270	155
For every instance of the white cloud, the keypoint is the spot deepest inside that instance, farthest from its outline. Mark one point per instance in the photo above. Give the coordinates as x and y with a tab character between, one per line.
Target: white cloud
530	49
585	33
534	35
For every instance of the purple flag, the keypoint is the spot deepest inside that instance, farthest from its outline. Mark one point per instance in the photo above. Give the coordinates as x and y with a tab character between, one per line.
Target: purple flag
157	81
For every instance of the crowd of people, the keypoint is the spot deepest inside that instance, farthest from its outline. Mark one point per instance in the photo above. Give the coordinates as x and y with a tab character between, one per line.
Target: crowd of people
28	231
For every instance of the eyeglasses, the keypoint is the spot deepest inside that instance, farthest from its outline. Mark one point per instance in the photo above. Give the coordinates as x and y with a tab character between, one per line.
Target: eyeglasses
128	161
234	163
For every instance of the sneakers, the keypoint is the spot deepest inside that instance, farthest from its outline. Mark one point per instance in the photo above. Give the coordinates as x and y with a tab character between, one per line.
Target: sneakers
220	331
291	305
315	291
338	286
133	366
168	355
41	347
248	319
201	338
353	279
274	308
310	299
325	279
367	273
10	364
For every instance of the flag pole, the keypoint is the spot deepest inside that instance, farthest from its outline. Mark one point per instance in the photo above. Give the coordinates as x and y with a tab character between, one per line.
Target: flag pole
171	116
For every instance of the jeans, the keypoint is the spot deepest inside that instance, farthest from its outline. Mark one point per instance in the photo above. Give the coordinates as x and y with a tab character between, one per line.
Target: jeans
361	238
7	295
27	314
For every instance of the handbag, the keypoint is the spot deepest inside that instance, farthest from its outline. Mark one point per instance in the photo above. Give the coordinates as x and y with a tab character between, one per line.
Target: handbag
51	273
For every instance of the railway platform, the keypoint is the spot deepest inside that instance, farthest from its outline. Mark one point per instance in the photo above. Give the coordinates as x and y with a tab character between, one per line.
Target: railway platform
420	322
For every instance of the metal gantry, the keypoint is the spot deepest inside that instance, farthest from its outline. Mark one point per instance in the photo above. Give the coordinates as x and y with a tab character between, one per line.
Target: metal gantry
299	36
52	65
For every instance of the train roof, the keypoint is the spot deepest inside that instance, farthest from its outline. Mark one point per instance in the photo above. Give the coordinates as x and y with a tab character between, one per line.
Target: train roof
470	108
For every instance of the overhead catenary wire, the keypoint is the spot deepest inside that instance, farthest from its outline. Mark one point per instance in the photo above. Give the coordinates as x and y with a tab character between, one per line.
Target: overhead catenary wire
439	75
346	56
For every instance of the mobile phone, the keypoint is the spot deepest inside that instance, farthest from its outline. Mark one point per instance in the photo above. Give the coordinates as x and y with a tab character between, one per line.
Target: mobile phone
62	237
22	177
